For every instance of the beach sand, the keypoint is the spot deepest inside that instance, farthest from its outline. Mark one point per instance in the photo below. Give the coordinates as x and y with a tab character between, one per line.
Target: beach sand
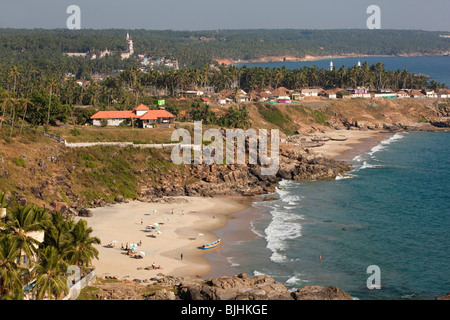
182	232
357	142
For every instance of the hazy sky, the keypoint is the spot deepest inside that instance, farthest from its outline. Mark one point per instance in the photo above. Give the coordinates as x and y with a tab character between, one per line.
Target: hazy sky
226	14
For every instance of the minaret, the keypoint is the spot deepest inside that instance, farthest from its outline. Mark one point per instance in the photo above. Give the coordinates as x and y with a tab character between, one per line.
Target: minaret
130	48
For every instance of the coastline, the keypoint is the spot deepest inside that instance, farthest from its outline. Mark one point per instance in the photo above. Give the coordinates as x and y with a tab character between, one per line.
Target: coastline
195	221
269	59
237	227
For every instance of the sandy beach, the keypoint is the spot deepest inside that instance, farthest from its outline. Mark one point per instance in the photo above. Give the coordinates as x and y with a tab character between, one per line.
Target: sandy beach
181	232
356	142
183	225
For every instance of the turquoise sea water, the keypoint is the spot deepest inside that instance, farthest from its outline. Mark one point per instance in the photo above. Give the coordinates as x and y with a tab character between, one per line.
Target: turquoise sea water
438	68
392	212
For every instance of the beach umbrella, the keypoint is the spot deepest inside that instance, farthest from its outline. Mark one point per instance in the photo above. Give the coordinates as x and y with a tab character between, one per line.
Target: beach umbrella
156	224
142	252
200	234
114	241
153	210
159	232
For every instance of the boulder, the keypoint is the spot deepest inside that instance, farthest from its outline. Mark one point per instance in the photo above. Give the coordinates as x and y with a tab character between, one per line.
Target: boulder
320	293
85	213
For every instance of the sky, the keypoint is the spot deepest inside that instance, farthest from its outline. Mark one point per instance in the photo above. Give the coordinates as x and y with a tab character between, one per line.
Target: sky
431	15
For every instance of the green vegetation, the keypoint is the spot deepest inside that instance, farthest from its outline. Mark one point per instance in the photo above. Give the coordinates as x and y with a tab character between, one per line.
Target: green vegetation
44	267
318	116
234	118
20	162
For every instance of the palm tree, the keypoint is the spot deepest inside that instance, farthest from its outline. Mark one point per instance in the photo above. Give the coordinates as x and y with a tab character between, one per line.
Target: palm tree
81	248
9	271
14	103
51	83
51	277
6	102
56	232
20	222
25	102
14	73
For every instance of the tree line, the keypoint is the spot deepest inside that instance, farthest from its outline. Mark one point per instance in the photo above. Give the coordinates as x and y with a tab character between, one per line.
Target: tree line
40	100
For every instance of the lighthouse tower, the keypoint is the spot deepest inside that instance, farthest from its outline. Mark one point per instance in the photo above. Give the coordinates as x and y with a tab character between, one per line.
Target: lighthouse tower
331	66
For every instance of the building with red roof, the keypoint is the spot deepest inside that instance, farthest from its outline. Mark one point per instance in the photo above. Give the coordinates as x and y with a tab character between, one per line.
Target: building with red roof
146	118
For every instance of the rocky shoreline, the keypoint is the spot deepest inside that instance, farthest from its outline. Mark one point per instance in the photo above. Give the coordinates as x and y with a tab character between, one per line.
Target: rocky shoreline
231	288
239	287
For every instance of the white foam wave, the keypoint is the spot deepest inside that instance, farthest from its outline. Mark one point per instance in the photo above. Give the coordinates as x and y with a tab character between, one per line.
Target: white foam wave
284	226
257	273
383	144
295	280
347	176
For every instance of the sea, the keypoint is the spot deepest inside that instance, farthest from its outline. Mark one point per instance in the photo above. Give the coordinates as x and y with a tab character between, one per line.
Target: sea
385	223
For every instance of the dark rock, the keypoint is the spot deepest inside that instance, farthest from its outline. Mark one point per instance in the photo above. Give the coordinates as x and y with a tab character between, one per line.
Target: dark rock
85	213
320	293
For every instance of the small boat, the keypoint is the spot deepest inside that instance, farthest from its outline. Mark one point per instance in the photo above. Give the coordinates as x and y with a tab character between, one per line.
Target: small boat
211	245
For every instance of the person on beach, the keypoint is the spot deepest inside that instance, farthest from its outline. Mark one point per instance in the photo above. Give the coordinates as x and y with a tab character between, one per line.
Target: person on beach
142	221
181	256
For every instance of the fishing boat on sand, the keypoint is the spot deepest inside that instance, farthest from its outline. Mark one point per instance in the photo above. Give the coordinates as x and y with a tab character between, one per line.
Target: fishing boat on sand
211	245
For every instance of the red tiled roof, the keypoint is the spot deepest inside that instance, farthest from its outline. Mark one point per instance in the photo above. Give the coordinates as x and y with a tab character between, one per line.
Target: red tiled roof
141	107
114	115
148	116
161	114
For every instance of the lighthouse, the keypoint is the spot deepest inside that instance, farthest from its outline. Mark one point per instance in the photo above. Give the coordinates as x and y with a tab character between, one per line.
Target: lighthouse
359	63
331	66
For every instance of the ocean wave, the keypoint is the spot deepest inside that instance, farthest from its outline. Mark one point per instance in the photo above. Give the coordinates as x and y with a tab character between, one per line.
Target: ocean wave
284	226
257	273
383	144
346	176
295	280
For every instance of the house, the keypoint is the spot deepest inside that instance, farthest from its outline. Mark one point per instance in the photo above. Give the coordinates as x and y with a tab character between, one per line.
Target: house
205	100
330	94
402	95
191	91
430	93
359	92
147	118
297	96
223	100
284	99
310	92
390	95
416	94
443	93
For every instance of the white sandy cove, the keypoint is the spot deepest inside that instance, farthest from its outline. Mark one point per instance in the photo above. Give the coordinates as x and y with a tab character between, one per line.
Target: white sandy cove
182	232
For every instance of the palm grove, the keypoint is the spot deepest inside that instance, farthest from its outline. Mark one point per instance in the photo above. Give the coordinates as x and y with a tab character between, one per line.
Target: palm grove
40	269
40	98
